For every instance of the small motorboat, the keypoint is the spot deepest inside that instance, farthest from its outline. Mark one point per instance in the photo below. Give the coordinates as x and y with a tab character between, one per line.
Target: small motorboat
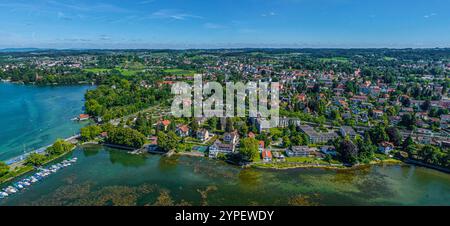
11	190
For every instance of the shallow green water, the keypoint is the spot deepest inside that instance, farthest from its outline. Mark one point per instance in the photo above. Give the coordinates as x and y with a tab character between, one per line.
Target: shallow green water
104	176
32	117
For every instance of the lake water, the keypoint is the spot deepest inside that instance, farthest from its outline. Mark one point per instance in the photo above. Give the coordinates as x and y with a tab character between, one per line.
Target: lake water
32	117
104	176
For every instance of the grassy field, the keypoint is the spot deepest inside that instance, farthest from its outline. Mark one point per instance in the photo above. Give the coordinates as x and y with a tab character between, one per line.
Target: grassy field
388	58
126	72
182	72
96	70
305	160
334	59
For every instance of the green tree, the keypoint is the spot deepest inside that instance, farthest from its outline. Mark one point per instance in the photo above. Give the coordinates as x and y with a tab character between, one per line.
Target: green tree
194	125
336	115
431	154
90	132
4	169
366	150
35	159
229	125
243	130
394	135
276	133
286	142
408	121
93	107
378	134
409	146
249	149
168	141
59	147
213	123
142	125
126	137
426	105
348	152
298	140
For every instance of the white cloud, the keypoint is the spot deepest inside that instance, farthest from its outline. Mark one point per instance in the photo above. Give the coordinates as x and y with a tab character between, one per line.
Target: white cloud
268	14
146	1
429	15
173	14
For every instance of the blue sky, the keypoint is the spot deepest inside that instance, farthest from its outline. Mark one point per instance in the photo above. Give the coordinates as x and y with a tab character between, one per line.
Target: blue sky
224	23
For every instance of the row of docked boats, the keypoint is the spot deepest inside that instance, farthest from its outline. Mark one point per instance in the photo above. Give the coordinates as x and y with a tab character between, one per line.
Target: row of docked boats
40	175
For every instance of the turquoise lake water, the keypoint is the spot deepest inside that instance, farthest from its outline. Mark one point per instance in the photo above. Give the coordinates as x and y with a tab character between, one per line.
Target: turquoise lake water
32	117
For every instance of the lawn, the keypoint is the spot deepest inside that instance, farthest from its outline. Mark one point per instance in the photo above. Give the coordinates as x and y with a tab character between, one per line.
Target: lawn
388	58
334	59
182	72
96	70
305	160
126	72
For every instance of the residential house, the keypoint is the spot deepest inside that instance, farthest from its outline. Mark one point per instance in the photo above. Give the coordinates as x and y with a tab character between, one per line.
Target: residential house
278	156
202	134
445	118
261	145
83	117
163	125
104	134
328	150
386	147
318	137
231	138
266	156
301	151
182	131
219	147
377	113
348	131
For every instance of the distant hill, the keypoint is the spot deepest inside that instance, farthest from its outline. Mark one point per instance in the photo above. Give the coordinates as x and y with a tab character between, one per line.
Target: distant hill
18	50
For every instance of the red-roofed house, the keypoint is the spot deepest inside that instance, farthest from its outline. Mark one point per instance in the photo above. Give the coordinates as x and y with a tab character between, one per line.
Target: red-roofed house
261	145
162	125
83	117
301	97
104	134
266	156
182	131
377	113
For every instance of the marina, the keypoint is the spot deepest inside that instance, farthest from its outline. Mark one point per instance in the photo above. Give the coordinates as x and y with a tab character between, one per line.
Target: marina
37	177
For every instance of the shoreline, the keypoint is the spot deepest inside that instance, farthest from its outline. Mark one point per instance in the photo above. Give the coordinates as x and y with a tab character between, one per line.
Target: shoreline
50	84
281	166
27	169
258	165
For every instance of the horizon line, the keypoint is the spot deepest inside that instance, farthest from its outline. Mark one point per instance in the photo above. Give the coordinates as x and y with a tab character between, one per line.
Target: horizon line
218	48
